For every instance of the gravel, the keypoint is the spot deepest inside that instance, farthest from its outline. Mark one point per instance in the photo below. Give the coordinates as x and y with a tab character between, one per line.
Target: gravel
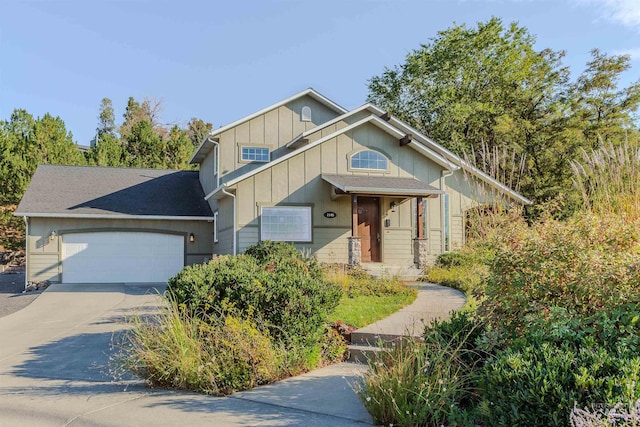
11	297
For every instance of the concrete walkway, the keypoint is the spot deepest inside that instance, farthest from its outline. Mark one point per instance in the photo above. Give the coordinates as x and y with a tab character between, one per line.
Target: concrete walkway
55	369
433	302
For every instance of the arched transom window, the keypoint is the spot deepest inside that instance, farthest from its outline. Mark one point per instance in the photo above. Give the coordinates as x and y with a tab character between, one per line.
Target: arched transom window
369	159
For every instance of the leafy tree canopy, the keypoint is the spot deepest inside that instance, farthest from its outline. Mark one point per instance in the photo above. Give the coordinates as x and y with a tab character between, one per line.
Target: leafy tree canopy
477	89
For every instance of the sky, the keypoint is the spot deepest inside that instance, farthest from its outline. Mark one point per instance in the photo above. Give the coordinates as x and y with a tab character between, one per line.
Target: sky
223	60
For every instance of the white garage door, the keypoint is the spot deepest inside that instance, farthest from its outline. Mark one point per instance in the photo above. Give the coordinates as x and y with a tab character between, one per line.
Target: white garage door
121	257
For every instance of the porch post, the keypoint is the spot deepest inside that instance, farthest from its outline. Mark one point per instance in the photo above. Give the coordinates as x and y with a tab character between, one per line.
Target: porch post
355	251
420	246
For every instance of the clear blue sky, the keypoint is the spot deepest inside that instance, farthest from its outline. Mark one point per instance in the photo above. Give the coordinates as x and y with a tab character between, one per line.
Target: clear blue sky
222	60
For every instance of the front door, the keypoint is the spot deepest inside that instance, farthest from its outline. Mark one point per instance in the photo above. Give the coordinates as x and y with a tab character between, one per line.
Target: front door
369	228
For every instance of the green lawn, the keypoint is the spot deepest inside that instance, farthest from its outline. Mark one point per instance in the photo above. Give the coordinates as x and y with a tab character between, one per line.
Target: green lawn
360	311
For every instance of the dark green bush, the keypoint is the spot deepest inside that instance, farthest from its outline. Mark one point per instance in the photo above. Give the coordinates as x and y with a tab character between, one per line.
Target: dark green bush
267	251
287	294
539	385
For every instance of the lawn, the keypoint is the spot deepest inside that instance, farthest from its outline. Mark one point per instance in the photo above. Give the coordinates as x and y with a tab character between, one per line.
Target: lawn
363	310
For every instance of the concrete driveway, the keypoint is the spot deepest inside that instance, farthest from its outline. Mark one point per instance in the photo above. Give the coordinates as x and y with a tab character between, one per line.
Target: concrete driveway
54	371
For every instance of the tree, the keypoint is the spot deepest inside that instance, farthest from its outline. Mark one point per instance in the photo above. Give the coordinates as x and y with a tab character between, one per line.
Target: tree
474	89
25	143
605	110
197	130
106	119
178	149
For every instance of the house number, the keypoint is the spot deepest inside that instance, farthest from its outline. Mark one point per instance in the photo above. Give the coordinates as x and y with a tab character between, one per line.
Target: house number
330	214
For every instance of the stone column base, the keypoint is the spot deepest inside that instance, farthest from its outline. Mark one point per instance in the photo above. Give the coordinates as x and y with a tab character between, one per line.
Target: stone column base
420	252
355	251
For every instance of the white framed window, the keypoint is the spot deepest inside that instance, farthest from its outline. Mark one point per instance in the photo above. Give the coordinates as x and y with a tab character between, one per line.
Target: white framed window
285	223
255	154
305	114
215	160
215	227
369	159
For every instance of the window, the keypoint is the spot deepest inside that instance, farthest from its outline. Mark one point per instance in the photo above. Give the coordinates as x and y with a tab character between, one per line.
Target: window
305	114
447	244
286	223
255	154
369	159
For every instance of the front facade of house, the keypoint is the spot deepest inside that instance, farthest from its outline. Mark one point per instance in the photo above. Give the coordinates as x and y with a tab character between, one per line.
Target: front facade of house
352	187
346	186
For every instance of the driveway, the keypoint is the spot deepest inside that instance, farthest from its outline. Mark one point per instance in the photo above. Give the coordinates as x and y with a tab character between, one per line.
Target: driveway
54	371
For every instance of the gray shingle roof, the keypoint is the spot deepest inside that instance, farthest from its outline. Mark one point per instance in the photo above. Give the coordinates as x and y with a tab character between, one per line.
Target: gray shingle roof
384	185
119	192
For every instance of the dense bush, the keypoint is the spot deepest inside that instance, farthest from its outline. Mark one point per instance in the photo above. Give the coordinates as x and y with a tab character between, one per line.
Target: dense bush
540	385
582	268
355	282
287	294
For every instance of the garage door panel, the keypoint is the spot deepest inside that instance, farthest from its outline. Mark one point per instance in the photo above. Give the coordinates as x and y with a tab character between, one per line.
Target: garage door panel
116	257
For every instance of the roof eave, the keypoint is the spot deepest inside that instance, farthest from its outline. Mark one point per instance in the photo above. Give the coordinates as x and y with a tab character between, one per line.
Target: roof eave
112	216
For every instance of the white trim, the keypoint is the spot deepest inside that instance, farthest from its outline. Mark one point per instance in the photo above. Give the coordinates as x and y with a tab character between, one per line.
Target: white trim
215	227
103	216
331	122
310	91
235	220
383	191
26	253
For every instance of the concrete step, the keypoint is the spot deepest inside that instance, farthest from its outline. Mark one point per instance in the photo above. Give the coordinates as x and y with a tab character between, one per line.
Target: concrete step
373	339
362	353
405	273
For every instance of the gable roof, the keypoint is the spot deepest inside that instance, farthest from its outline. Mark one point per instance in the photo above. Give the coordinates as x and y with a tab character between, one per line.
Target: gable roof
99	192
373	119
204	147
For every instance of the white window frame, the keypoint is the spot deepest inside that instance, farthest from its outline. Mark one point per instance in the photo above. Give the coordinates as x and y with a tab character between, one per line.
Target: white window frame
271	219
215	227
253	147
351	167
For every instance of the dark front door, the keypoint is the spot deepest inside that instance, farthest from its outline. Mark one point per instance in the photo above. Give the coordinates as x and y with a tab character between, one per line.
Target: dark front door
369	228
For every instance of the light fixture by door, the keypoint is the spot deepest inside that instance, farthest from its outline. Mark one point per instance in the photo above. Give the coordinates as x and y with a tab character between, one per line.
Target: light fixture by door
394	205
192	237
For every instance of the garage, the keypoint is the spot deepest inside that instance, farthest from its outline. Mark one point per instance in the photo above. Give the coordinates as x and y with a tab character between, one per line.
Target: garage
121	257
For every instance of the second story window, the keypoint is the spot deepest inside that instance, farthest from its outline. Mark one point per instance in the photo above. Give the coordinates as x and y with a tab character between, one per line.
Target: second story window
255	154
369	159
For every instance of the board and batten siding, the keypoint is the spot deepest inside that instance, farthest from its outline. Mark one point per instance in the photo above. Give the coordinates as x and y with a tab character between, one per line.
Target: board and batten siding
298	181
44	254
273	129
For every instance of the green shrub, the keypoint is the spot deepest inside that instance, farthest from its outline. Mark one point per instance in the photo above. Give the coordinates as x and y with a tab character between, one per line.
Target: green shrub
451	259
540	385
468	279
585	266
218	355
269	251
288	295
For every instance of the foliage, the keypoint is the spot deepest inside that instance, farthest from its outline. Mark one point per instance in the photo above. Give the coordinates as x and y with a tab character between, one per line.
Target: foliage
287	294
584	267
267	251
12	229
487	91
197	129
425	383
214	355
25	143
355	282
540	385
608	178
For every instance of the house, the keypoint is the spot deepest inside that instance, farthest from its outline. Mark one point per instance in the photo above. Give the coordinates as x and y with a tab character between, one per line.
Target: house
354	187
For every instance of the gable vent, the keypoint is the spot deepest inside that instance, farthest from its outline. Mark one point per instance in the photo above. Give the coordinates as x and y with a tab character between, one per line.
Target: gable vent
305	114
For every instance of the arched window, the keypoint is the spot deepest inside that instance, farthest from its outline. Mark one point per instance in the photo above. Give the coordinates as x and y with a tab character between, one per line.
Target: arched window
369	159
305	114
